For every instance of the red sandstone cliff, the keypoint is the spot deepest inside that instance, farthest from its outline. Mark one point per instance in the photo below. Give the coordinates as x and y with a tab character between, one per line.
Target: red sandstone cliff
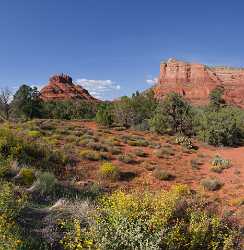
196	81
61	87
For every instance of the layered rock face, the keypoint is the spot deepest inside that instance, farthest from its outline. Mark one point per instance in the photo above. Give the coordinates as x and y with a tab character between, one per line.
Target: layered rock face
61	87
196	81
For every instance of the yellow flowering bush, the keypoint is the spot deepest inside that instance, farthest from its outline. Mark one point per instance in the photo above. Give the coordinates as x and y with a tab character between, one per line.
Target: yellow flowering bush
75	237
27	175
10	205
109	171
9	237
171	219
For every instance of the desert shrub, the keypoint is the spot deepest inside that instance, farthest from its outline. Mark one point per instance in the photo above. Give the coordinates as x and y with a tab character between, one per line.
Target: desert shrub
136	110
75	237
114	150
72	138
70	109
127	137
84	142
184	141
140	153
97	146
164	220
26	102
90	155
173	115
31	154
138	143
154	145
10	237
219	164
127	158
11	200
211	184
220	128
5	165
104	115
216	98
119	128
150	166
109	171
45	183
89	137
34	133
11	203
164	152
162	175
196	163
27	176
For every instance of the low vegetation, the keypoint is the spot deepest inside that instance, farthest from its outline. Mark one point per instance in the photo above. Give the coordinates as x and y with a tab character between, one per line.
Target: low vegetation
211	184
219	164
69	185
162	175
109	171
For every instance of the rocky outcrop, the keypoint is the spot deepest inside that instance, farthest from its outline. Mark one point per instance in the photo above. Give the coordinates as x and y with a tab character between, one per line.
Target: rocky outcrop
195	81
61	87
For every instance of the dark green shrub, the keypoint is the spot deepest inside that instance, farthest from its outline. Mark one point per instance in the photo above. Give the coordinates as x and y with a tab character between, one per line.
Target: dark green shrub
220	128
71	109
136	110
173	115
104	115
216	98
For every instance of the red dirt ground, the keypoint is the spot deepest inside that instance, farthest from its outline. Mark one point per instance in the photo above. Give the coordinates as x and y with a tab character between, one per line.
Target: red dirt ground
230	196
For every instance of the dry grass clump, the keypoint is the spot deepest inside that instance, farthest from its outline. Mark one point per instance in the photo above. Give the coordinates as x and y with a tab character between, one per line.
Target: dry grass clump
97	146
127	158
140	153
211	184
196	163
154	145
114	150
165	152
138	143
162	175
150	166
91	155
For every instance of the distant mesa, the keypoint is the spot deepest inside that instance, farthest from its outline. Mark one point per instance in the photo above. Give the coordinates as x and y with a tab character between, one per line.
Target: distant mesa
61	87
195	81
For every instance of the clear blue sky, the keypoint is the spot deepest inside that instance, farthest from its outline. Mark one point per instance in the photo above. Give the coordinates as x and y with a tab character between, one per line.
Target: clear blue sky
118	40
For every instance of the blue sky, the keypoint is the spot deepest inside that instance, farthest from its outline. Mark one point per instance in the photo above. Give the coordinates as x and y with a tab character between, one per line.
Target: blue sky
114	46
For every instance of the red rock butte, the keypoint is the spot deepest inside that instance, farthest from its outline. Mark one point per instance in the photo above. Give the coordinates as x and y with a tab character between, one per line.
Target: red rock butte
195	81
61	87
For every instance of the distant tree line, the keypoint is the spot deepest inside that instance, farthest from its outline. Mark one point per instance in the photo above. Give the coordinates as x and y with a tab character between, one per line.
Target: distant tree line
216	123
27	104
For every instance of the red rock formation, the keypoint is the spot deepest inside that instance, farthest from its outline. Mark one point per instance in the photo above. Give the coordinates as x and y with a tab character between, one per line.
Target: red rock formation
61	87
196	81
